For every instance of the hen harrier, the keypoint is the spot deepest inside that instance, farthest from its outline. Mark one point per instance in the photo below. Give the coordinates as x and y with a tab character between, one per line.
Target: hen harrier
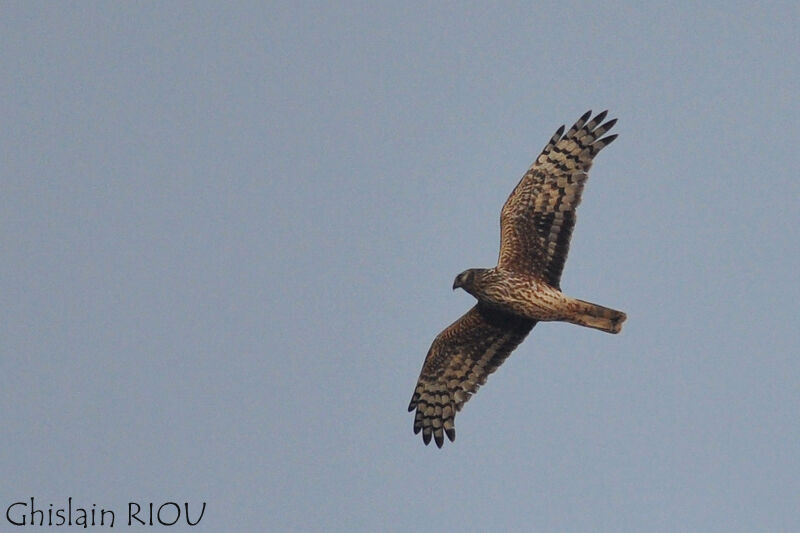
535	228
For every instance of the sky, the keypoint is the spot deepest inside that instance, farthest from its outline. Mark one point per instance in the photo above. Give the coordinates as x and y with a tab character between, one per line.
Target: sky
229	234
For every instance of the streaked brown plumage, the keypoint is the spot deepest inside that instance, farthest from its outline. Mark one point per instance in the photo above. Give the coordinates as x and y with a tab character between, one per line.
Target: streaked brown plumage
535	228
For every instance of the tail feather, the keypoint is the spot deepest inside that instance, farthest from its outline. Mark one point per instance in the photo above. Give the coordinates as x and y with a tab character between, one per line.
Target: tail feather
599	317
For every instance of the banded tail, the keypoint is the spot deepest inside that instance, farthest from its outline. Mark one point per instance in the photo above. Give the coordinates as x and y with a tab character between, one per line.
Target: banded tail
599	317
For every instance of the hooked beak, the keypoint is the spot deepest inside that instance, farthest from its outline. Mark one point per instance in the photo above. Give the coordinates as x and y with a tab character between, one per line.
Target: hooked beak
456	284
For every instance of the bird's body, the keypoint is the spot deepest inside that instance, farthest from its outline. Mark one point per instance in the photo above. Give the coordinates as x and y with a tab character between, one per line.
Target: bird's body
536	224
528	297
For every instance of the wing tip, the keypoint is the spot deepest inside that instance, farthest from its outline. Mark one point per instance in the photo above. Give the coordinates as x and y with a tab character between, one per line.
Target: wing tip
437	435
607	140
434	426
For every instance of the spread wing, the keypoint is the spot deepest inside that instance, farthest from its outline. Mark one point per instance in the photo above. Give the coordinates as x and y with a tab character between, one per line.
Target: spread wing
537	219
458	362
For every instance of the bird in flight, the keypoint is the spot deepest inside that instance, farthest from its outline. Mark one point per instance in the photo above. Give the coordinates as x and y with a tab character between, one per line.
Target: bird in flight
524	288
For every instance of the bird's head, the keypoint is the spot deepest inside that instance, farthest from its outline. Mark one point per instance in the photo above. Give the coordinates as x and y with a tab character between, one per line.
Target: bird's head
465	280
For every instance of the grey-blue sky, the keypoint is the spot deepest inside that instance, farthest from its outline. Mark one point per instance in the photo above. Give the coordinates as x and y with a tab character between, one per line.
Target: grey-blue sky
229	235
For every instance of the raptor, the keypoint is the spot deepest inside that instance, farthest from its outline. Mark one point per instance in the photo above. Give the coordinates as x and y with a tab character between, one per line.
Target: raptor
536	225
